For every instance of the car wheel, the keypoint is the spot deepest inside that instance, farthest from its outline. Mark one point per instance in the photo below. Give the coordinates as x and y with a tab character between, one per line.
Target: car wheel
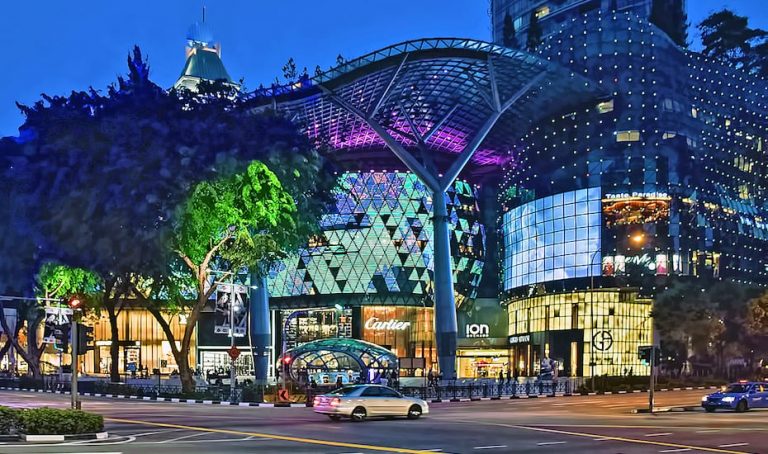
335	417
709	409
359	414
414	412
742	406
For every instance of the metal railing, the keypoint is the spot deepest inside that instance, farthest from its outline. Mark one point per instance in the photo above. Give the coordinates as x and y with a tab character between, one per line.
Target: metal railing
490	389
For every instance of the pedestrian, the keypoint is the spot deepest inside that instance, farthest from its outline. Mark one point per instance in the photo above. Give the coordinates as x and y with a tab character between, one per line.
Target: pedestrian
501	376
339	381
312	382
509	375
431	377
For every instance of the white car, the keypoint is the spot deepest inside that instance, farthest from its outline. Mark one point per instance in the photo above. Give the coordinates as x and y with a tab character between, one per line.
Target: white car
362	401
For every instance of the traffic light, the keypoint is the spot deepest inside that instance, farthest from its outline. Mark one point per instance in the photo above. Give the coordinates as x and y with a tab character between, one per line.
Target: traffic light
644	354
61	334
84	339
75	302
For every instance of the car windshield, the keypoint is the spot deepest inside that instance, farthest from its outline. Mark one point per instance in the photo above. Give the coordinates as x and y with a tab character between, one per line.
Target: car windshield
737	388
345	391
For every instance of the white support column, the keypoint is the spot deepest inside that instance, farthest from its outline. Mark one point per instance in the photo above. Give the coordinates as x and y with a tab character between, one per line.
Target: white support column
444	304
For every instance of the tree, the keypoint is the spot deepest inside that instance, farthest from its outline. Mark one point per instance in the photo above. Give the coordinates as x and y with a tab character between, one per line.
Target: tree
727	38
97	179
534	33
230	223
687	320
54	282
671	18
757	315
509	33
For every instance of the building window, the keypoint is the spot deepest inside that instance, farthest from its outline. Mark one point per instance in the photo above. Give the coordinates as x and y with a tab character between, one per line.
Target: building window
542	11
694	112
627	136
605	106
669	135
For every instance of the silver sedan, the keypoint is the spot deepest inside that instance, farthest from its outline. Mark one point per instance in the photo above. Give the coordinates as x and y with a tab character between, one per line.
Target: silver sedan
362	401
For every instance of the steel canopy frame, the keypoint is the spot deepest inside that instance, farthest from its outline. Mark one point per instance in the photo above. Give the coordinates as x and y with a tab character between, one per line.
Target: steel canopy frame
443	95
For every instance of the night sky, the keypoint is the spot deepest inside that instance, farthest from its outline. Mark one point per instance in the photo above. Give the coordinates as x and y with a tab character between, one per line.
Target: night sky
54	46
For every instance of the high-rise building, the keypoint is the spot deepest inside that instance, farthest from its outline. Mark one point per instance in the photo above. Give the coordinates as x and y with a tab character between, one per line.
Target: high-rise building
552	14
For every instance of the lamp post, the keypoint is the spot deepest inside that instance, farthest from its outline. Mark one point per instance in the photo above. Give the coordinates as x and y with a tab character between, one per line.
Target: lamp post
592	363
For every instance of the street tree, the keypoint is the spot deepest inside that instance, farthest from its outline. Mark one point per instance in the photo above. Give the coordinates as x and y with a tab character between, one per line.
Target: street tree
687	320
226	224
54	282
98	177
757	315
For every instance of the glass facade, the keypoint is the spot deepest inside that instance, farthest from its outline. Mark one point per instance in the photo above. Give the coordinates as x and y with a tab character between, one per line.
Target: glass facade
574	329
408	332
379	242
552	238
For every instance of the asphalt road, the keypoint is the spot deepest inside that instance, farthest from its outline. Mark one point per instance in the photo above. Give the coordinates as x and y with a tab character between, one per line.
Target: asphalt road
590	424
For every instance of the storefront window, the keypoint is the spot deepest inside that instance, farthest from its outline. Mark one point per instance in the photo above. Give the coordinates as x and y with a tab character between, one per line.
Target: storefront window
406	331
605	325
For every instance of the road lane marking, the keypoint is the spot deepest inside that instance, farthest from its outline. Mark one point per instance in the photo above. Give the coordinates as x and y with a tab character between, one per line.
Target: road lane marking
707	431
547	443
675	450
313	441
733	445
660	434
622	439
490	447
171	440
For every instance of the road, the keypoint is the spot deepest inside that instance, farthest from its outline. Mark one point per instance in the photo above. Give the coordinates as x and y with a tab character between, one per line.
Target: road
589	424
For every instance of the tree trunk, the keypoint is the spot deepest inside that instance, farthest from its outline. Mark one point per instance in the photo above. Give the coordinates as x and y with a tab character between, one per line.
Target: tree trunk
188	384
114	346
7	347
33	363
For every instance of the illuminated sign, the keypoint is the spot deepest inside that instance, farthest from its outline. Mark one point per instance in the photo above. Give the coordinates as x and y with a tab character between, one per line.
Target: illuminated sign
638	195
616	265
477	330
519	339
375	324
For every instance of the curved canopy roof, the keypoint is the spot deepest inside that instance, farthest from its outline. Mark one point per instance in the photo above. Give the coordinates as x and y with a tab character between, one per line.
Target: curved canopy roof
336	354
437	91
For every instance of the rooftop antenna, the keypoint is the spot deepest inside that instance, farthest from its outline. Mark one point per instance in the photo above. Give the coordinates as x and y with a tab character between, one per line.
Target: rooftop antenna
203	13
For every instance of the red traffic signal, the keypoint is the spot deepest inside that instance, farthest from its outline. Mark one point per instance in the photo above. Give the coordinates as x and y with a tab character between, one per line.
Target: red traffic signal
75	302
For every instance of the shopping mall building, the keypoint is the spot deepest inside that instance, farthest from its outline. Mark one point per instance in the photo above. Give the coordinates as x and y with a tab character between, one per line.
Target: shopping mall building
589	175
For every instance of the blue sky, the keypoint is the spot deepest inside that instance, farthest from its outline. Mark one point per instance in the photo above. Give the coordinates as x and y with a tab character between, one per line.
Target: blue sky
56	46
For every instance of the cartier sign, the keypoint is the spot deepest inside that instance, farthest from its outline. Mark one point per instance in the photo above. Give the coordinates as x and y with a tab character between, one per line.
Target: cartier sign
375	324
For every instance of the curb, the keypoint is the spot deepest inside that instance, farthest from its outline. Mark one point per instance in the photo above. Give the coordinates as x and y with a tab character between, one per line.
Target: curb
175	400
55	438
302	405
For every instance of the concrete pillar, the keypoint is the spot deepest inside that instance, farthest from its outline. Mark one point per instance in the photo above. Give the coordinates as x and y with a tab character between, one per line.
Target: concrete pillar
261	328
445	305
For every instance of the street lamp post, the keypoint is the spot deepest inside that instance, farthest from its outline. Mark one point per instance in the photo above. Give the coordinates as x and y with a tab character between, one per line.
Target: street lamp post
592	363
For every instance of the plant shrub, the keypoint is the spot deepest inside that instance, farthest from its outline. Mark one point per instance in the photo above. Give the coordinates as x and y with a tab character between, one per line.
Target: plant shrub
9	418
53	421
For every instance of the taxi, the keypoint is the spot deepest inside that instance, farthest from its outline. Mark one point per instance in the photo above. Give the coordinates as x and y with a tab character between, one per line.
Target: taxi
739	396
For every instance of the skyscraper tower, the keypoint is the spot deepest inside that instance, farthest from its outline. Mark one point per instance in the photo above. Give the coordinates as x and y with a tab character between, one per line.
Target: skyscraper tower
203	58
550	15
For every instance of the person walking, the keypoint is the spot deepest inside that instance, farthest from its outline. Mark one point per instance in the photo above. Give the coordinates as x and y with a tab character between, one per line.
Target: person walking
430	377
339	381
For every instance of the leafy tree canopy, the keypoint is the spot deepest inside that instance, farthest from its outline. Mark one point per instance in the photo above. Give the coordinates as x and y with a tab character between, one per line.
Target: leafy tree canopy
244	207
727	38
97	178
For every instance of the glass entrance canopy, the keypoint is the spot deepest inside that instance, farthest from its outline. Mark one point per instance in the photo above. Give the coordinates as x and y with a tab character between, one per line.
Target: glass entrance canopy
339	355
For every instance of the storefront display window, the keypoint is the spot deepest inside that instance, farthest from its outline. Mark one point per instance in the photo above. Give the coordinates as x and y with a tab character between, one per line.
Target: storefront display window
605	325
406	331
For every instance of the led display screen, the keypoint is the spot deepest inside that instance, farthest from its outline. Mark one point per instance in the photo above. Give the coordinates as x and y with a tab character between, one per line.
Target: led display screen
553	238
379	241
